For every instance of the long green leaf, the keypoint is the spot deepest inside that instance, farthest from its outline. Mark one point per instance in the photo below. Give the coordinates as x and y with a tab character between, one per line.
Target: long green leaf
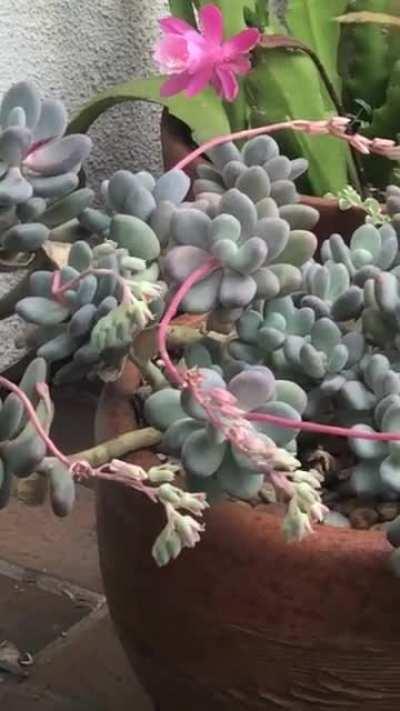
285	86
183	9
311	21
378	18
367	53
204	114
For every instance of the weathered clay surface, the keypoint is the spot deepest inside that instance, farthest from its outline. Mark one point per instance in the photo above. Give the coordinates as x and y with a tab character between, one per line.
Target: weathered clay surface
245	621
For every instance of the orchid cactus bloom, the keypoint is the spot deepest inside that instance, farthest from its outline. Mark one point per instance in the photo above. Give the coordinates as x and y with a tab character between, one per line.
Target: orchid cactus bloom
195	59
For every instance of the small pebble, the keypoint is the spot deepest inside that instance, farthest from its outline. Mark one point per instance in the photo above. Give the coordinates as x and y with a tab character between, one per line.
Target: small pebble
346	506
393	532
381	526
387	511
329	496
394	563
336	519
363	518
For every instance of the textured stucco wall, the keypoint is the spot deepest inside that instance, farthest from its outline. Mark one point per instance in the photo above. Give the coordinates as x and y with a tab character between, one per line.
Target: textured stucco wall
74	48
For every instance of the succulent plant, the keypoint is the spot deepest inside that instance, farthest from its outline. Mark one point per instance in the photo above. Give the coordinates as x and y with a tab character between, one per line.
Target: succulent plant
210	461
39	169
22	449
89	321
245	217
287	339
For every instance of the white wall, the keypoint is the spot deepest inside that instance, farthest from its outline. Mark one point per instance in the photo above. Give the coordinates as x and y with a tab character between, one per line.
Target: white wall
73	48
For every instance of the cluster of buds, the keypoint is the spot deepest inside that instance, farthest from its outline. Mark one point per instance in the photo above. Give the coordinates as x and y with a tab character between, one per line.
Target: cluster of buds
181	530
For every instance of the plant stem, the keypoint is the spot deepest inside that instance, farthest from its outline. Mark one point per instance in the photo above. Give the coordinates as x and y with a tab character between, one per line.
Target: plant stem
335	126
196	276
119	447
179	336
150	371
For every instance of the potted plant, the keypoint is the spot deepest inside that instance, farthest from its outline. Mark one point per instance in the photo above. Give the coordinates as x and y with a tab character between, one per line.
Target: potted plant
273	401
252	57
39	190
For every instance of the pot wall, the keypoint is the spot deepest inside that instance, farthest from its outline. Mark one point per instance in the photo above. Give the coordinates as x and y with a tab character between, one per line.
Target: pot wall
245	621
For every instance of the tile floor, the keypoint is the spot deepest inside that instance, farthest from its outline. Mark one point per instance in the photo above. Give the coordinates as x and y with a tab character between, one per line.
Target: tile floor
51	605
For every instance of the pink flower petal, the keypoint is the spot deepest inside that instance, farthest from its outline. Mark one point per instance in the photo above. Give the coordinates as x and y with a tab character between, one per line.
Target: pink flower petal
226	83
212	23
199	81
240	65
175	26
241	43
175	84
171	54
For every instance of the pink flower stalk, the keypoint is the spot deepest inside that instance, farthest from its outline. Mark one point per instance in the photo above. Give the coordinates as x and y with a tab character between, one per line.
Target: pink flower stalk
231	421
195	58
336	126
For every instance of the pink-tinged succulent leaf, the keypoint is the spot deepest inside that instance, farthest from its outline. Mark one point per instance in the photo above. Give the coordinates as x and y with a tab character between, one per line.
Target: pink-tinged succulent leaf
180	262
25	95
14	189
14	142
52	121
253	388
59	156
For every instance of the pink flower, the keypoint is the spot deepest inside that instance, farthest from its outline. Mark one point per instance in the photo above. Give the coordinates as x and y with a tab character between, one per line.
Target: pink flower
195	59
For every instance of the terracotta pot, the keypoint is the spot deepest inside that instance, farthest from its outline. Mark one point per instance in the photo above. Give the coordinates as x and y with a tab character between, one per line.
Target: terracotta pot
176	144
245	621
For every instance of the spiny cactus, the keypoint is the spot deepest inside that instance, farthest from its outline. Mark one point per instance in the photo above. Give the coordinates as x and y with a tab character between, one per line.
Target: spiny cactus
39	169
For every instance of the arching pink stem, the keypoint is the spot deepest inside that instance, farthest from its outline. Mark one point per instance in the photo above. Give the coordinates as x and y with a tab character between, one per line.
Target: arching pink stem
318	428
176	377
8	385
196	276
335	126
58	290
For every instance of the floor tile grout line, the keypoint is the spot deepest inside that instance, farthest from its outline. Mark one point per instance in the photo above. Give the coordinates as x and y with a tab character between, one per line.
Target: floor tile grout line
52	584
61	644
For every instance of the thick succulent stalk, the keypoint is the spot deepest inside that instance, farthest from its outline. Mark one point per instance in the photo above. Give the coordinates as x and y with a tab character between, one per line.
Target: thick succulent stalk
180	336
119	447
150	372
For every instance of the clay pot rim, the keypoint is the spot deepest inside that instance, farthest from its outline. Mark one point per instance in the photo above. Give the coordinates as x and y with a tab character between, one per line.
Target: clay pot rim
115	409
